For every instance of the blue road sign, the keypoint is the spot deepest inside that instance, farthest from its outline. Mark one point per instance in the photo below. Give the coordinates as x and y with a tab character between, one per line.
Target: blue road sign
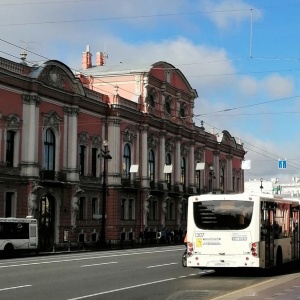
281	164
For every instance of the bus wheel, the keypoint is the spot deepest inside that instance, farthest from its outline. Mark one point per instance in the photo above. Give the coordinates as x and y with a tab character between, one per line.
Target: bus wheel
8	250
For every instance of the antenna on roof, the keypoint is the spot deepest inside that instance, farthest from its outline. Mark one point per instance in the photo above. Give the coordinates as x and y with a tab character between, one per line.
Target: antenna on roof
251	34
24	53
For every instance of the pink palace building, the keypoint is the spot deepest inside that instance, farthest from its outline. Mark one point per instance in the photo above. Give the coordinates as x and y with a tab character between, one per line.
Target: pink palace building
102	154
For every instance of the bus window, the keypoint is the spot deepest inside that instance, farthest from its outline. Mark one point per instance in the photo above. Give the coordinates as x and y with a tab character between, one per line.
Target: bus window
223	215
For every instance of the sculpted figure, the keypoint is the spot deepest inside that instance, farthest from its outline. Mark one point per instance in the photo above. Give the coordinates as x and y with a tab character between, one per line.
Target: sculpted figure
75	206
32	201
146	209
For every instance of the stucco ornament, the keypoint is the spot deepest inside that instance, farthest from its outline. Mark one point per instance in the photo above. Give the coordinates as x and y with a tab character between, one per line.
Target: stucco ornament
32	200
75	206
146	209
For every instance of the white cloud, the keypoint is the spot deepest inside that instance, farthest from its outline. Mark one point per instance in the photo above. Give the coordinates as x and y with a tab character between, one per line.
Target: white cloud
278	86
228	13
248	86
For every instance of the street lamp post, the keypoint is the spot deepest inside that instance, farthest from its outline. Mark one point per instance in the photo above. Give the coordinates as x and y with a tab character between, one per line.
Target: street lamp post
106	156
261	186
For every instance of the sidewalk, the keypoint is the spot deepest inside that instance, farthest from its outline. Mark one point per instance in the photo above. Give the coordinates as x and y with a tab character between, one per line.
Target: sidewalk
286	287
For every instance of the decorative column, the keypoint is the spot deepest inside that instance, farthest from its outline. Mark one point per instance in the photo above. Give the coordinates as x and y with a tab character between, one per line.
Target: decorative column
144	165
216	182
229	173
191	166
145	93
72	113
163	99
29	159
177	160
162	156
114	139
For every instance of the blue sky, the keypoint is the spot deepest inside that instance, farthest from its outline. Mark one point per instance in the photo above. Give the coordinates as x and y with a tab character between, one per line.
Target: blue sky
242	57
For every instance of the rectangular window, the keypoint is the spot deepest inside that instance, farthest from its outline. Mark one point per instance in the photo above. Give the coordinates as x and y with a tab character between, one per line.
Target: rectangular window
123	203
9	204
94	162
95	207
130	209
153	211
10	137
82	149
81	212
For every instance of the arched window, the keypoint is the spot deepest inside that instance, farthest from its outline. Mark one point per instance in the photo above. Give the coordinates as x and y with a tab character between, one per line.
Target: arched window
10	148
168	176
49	151
151	168
126	161
183	172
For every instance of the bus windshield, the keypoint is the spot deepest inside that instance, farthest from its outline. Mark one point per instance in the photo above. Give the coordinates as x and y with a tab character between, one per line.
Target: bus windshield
223	214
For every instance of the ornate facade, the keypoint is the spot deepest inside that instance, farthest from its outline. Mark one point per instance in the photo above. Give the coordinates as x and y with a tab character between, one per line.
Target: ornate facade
52	127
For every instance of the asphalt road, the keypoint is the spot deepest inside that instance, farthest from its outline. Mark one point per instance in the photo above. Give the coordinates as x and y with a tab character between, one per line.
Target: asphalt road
145	273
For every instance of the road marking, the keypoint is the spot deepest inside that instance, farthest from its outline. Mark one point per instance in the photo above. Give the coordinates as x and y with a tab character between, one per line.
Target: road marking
156	266
86	258
15	287
122	289
108	263
133	286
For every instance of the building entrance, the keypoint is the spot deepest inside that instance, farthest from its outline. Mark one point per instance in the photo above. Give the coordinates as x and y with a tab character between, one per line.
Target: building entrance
46	222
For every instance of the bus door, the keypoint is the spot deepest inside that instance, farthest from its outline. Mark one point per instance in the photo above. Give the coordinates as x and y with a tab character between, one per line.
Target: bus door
268	225
33	236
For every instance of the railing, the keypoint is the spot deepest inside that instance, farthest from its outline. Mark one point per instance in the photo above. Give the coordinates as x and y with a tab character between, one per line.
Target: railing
12	66
47	175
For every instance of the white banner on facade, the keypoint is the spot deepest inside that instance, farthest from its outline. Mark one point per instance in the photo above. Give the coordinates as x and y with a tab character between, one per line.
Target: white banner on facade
246	164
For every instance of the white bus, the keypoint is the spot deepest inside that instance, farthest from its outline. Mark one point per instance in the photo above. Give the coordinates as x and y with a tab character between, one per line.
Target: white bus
18	234
242	231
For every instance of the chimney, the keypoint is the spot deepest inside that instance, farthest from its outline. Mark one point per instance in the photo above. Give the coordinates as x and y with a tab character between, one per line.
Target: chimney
86	58
99	59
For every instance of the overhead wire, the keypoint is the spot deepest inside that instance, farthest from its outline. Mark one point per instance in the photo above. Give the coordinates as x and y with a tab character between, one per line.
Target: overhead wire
264	152
225	110
205	114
